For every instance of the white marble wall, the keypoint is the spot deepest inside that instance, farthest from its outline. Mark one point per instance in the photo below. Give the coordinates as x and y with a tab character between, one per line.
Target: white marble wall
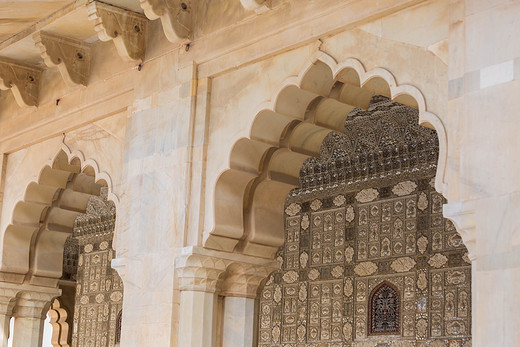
164	133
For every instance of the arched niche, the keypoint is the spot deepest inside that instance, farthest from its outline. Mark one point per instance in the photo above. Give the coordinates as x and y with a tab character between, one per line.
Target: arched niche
384	310
33	242
264	167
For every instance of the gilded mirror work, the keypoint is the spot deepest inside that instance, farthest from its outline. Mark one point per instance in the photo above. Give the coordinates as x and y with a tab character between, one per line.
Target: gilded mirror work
368	258
99	290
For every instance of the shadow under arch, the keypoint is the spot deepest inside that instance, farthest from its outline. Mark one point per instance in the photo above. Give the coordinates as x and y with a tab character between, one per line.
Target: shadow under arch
265	167
33	242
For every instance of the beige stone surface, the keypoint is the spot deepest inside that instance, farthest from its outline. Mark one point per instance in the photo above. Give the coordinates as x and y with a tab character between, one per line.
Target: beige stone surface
163	132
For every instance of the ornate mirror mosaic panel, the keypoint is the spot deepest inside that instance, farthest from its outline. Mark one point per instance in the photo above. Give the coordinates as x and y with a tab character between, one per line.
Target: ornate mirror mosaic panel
338	252
99	289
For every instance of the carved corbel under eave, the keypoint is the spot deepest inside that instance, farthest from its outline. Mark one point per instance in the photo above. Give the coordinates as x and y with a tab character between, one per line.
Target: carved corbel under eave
175	15
23	80
72	57
126	28
256	5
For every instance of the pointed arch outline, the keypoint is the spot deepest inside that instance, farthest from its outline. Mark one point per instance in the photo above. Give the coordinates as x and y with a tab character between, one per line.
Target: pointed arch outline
33	241
261	158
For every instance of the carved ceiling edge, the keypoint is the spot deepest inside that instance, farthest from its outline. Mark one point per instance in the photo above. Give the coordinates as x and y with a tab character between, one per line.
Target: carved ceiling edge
125	28
23	80
462	214
176	17
72	57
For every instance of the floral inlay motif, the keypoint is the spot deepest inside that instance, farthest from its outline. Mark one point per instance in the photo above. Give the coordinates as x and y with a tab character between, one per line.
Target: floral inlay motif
277	297
302	293
316	204
290	277
348	289
349	254
349	214
304	258
305	222
404	264
421	327
367	195
438	260
293	209
313	274
366	268
339	200
422	243
301	333
422	202
347	331
404	188
422	282
276	334
337	272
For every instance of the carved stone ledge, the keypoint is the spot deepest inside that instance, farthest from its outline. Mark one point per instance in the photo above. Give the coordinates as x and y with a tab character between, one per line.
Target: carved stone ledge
256	5
229	274
72	57
23	80
126	29
175	15
462	214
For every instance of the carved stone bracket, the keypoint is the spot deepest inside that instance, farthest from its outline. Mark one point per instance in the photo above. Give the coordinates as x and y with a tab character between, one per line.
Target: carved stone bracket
175	15
229	274
23	80
256	5
126	28
72	57
463	216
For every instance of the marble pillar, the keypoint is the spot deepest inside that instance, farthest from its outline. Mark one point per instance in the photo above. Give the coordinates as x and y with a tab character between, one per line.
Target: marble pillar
204	275
239	322
197	323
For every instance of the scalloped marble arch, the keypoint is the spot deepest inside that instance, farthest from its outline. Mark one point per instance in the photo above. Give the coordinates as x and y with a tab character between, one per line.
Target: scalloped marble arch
33	242
264	167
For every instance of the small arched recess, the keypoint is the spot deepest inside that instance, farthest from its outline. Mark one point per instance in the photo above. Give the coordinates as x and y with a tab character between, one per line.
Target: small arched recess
33	243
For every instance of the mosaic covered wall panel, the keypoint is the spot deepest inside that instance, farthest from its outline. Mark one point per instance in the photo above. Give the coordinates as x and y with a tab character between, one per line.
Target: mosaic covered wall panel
99	290
338	249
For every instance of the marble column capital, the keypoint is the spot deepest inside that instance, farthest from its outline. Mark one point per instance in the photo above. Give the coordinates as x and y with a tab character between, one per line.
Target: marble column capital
8	297
228	274
243	279
462	214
